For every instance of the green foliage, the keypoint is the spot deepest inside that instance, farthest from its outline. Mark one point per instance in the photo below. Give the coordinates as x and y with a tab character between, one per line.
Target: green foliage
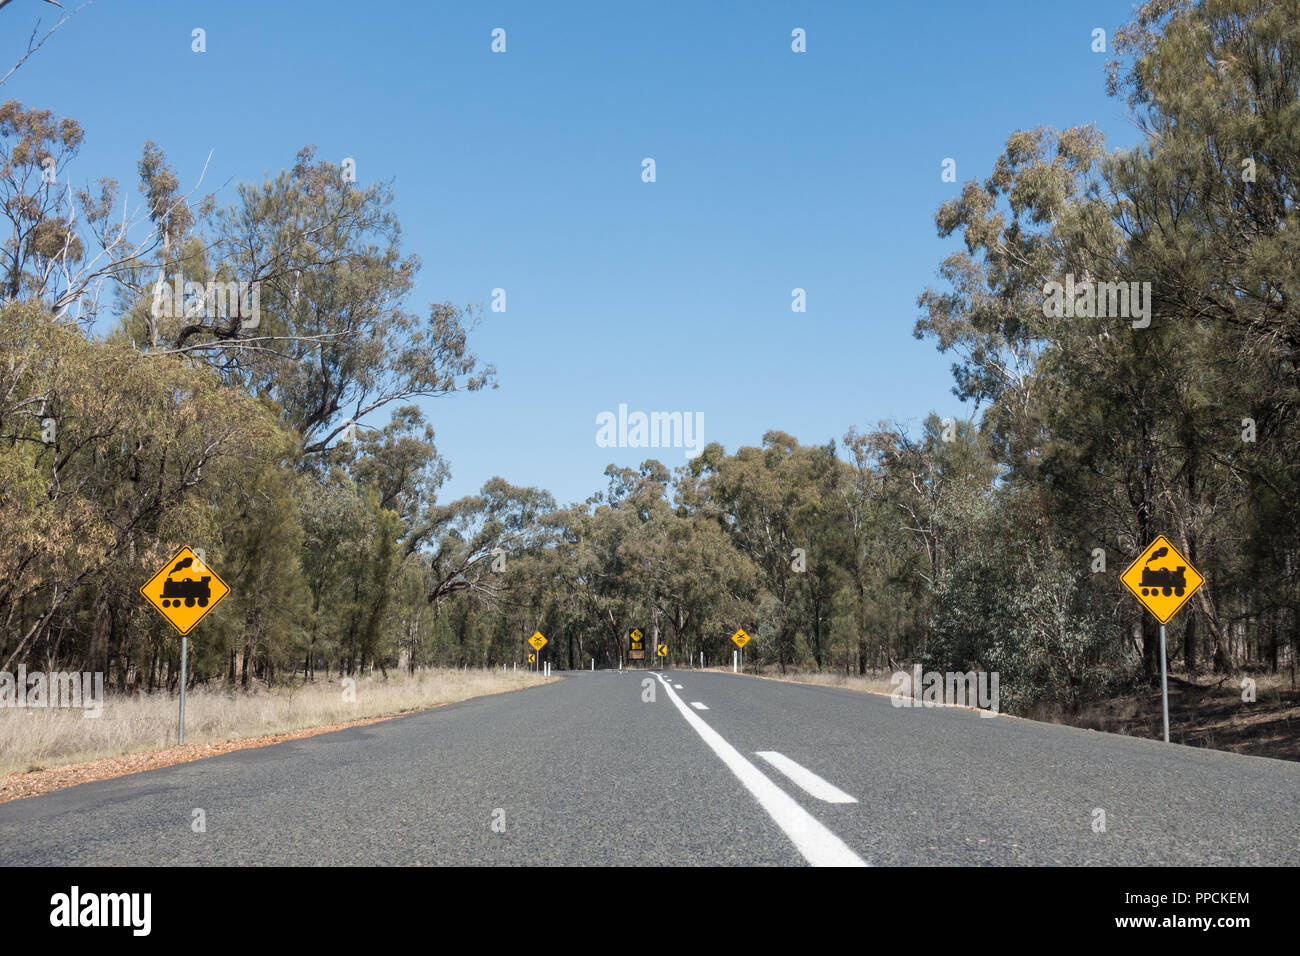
962	544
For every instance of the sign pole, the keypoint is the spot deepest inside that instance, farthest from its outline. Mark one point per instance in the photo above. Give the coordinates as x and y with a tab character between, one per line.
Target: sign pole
1163	581
183	591
180	728
1164	683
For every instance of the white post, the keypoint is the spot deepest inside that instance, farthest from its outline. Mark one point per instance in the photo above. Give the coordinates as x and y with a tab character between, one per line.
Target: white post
516	667
593	665
733	662
1164	683
701	660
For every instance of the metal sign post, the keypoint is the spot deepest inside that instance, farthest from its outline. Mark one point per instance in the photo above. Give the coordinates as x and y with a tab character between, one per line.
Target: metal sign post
1164	682
740	639
538	641
183	591
180	728
1162	590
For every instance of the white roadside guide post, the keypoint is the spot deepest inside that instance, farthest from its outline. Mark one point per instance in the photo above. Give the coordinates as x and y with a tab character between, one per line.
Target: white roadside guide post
1162	591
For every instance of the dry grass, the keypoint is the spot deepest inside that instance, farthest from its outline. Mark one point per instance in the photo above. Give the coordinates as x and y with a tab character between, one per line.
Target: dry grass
1204	711
33	739
876	682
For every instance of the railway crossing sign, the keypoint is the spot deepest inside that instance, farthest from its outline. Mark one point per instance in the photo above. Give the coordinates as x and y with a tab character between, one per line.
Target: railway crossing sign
538	641
635	645
663	650
1162	579
740	638
184	590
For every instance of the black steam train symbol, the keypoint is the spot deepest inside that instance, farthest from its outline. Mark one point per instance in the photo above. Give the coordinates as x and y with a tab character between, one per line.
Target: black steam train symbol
188	590
1162	579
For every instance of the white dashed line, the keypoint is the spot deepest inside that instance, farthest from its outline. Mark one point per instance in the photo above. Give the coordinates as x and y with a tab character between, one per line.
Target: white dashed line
698	706
805	778
819	846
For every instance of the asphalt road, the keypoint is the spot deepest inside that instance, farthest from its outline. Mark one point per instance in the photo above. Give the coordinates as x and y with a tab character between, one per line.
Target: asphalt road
583	771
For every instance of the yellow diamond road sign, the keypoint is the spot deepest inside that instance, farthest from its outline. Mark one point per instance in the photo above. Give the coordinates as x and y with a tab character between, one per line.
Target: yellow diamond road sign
1162	579
184	590
538	641
741	638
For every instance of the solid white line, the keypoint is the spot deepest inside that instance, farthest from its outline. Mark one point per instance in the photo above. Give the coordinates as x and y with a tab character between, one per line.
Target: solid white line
819	846
805	778
698	706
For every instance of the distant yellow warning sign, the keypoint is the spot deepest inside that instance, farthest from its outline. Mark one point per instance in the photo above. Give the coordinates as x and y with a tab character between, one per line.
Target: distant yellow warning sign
184	590
537	640
663	650
532	658
740	638
1162	579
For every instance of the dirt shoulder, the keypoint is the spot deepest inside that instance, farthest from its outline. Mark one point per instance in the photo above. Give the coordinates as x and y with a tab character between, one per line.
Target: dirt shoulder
1204	711
19	785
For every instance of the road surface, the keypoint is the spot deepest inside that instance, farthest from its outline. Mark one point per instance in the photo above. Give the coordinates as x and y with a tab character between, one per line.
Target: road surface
719	769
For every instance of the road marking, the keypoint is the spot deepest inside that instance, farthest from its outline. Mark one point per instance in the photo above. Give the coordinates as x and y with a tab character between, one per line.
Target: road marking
678	686
698	706
813	784
819	846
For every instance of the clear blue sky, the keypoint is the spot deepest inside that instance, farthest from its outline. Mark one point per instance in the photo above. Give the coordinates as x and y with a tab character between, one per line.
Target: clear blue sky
522	170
